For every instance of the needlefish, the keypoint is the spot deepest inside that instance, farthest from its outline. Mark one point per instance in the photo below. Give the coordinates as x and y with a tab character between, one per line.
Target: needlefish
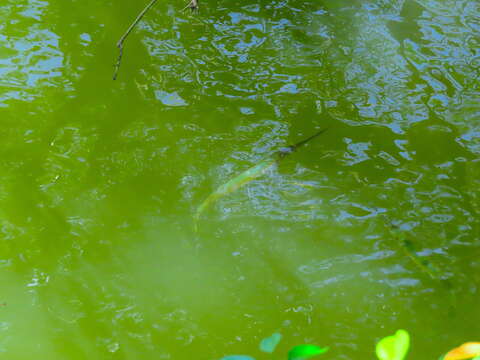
249	175
423	264
408	248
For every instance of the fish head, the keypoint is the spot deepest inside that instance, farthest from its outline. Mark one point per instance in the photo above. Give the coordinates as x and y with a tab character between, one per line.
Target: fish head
284	151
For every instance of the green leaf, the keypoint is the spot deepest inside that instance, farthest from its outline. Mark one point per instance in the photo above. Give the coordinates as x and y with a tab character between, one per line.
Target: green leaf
302	352
237	357
393	347
269	344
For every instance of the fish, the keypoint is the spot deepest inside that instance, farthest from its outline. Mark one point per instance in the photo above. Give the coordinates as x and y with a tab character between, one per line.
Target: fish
408	248
423	264
248	175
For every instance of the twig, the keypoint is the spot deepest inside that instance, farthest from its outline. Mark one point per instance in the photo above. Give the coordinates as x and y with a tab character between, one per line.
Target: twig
124	36
192	5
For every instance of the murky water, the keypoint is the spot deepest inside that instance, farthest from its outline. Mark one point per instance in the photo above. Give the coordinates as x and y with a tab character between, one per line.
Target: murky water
372	227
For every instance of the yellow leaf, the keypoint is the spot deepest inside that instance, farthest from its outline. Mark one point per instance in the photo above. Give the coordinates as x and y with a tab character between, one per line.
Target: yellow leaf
464	351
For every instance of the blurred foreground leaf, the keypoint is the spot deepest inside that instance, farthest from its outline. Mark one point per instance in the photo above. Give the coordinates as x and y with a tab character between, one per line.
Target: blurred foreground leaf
464	351
302	352
269	344
393	347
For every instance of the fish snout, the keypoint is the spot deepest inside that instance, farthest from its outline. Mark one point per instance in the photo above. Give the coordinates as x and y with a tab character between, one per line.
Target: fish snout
284	151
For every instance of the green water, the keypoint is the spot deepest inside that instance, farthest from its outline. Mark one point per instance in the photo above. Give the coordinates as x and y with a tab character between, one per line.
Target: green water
100	179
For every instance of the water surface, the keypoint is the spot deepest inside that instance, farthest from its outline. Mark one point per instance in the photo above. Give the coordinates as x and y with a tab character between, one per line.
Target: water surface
99	179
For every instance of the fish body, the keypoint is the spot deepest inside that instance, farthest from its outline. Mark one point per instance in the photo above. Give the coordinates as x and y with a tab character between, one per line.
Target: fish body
234	184
249	175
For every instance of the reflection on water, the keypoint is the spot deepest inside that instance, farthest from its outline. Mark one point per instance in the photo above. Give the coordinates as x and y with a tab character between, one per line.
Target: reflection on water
99	180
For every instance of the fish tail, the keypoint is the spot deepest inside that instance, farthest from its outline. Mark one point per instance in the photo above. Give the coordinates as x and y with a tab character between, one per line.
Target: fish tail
199	212
196	219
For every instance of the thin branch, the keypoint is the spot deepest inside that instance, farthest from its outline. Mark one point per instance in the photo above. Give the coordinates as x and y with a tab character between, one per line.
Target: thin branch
121	42
192	5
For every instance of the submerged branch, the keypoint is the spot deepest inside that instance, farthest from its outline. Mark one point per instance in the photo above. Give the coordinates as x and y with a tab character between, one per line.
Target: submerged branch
120	43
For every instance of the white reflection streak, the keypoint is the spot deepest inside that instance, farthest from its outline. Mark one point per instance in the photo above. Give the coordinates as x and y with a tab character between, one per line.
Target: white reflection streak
39	278
327	264
414	182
